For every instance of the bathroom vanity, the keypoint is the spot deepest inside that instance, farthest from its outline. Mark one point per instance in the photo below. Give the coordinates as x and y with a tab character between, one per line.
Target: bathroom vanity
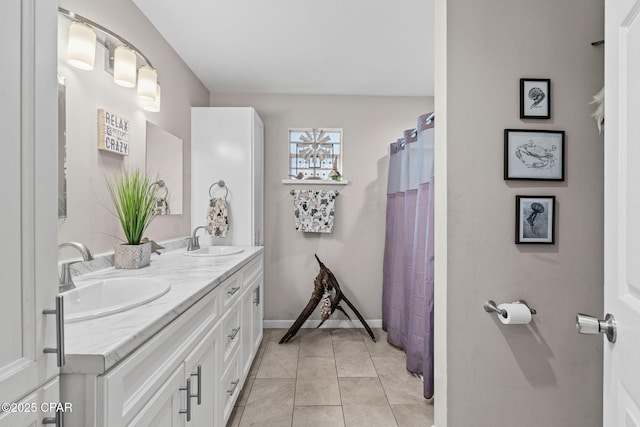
180	360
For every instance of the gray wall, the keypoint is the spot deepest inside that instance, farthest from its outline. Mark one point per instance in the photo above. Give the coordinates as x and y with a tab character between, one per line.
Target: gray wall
543	374
354	251
89	208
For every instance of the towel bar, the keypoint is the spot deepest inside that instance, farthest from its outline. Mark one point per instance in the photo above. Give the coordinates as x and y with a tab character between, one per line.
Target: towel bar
293	193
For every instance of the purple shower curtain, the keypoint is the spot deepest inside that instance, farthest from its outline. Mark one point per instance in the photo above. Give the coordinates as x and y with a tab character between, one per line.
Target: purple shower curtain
407	292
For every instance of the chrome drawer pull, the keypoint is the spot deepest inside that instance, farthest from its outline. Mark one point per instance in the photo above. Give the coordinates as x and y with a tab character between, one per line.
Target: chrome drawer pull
235	385
234	333
58	420
199	375
188	390
233	291
59	313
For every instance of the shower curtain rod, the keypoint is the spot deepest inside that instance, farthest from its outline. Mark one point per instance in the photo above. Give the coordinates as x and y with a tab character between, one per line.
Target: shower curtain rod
426	122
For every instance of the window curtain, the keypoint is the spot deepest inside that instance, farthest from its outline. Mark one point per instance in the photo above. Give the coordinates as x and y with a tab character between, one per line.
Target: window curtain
407	292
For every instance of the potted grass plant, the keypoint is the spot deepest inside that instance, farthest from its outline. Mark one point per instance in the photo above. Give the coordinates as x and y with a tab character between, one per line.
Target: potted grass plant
134	198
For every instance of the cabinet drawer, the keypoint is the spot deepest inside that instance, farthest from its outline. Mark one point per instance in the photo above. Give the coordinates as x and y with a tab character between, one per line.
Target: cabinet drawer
230	290
230	386
251	271
231	332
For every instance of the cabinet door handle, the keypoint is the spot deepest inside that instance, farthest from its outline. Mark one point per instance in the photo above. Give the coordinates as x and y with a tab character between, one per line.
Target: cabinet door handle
59	313
234	333
233	291
234	385
199	375
188	390
256	299
58	420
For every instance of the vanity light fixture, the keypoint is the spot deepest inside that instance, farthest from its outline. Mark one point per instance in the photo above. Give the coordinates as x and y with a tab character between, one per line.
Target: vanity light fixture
81	54
81	49
147	82
153	106
124	66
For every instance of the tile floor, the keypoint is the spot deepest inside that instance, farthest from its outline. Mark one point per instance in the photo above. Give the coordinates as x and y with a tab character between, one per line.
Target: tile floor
330	378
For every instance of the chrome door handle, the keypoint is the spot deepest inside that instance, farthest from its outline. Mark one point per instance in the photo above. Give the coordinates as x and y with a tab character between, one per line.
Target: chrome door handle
59	313
187	388
199	375
256	299
58	420
234	385
590	325
234	333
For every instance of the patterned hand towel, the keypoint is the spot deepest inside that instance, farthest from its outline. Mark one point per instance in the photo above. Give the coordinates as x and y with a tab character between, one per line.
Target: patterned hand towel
217	217
314	210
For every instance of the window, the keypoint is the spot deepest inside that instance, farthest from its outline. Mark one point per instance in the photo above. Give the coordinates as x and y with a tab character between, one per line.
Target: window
314	153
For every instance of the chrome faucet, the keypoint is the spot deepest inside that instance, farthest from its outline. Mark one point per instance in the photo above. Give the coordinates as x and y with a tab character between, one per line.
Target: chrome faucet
66	281
193	243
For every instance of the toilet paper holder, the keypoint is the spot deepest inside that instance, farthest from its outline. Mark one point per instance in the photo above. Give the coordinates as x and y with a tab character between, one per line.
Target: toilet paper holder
491	307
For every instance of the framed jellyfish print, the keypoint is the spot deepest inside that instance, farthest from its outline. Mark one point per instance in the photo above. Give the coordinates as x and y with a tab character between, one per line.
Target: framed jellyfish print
535	219
535	155
535	98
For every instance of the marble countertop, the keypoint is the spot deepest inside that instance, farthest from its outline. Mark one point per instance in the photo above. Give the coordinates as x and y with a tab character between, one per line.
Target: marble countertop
94	346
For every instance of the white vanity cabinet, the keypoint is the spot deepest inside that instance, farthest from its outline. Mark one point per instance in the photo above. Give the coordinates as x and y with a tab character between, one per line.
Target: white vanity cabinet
190	373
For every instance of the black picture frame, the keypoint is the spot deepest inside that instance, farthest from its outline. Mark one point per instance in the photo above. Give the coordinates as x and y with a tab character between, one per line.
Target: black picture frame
535	98
535	220
534	155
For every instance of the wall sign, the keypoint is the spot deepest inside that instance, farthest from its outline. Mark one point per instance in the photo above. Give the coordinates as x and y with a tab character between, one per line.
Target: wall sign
113	133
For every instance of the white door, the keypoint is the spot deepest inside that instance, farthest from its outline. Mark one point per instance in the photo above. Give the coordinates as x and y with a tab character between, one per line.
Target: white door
201	367
621	387
28	229
168	406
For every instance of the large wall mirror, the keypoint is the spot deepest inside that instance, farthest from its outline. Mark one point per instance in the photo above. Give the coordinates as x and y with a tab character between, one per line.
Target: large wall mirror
164	159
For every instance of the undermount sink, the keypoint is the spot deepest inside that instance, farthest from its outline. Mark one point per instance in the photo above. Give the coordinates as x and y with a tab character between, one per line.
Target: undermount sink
215	251
111	296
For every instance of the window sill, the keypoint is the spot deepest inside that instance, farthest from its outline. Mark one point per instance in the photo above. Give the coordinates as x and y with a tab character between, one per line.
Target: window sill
314	182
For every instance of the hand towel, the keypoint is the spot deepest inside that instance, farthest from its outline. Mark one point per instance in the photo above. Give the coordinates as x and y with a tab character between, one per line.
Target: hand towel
314	210
217	217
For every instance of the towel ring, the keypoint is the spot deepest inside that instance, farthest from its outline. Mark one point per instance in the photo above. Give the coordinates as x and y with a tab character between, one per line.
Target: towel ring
161	184
220	184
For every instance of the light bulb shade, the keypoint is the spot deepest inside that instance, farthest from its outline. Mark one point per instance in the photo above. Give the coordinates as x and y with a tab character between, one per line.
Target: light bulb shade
81	49
153	106
124	67
147	83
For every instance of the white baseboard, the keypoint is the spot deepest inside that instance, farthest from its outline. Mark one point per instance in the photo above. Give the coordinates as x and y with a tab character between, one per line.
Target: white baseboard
345	324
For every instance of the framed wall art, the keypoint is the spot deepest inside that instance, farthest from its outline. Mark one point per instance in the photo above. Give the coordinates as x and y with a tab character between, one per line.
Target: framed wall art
534	155
535	98
535	219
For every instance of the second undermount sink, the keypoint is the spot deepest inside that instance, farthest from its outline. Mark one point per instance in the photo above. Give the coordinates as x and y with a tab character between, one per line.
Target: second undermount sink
215	251
111	296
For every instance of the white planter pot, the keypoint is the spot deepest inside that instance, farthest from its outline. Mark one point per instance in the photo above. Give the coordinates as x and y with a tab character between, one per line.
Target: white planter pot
132	256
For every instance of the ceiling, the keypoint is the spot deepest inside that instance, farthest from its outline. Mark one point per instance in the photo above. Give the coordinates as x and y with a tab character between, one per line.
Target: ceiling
337	47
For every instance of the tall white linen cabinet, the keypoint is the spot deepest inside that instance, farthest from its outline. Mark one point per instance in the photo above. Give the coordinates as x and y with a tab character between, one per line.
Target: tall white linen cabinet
227	144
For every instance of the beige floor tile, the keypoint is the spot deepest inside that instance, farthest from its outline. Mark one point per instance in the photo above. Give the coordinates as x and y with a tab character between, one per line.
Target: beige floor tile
270	403
275	366
346	335
361	391
318	416
413	415
317	382
246	389
381	347
368	416
234	418
400	386
355	365
345	348
316	343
